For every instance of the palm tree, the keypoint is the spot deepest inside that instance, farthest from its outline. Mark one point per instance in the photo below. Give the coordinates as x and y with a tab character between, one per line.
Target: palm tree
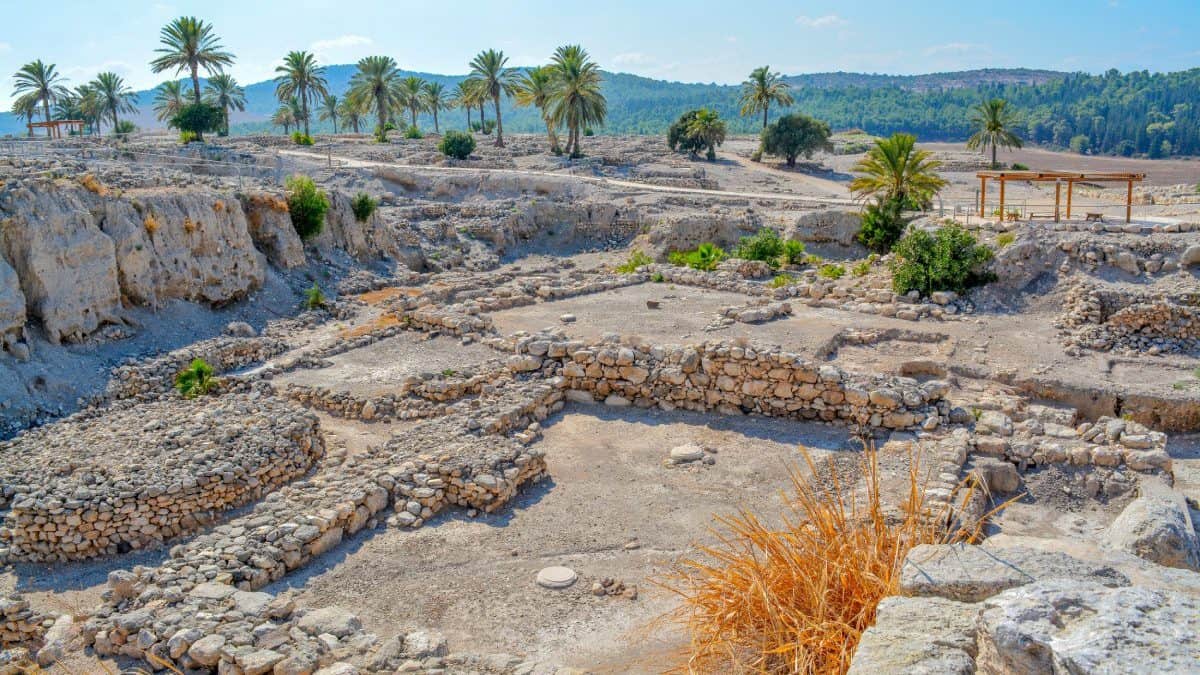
189	44
412	94
89	106
351	112
113	96
462	99
993	122
224	92
302	78
329	111
762	89
375	85
577	100
284	117
41	81
496	81
536	88
435	100
26	106
896	170
708	126
168	99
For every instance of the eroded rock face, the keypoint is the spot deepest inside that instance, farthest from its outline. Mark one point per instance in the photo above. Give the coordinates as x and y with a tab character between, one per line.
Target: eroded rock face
66	265
826	227
185	245
362	240
271	228
1157	527
12	305
918	635
1077	626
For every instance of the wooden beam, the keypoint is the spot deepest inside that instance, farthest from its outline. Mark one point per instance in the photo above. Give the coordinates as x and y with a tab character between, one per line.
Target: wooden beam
1057	198
1129	203
1070	189
982	194
1002	212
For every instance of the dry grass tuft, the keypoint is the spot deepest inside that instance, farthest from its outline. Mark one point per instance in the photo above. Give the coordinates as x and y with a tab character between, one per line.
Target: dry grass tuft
151	223
93	184
382	322
797	598
219	206
189	225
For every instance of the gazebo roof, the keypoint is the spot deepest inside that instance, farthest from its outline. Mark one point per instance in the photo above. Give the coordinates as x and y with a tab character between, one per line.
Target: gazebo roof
1073	176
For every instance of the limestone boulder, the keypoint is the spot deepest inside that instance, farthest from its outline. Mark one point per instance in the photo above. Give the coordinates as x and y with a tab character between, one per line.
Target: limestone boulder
66	265
271	228
12	305
1157	526
826	226
362	240
927	636
1080	626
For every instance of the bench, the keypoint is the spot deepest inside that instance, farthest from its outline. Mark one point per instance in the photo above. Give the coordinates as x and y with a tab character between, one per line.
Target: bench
1094	218
1046	216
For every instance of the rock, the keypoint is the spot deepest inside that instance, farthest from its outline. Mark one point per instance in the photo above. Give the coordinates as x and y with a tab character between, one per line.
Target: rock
1190	256
998	475
252	603
943	297
689	452
240	329
424	644
207	650
271	228
212	591
971	573
259	661
994	422
12	304
1079	626
928	636
122	584
333	620
1157	526
567	318
556	577
56	640
653	304
339	668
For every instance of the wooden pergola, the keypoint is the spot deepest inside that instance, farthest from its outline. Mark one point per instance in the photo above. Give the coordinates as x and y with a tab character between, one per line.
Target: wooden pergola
54	127
1058	178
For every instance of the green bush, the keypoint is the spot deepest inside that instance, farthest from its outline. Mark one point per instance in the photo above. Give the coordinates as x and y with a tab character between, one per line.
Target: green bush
307	205
657	277
457	144
1005	238
637	260
1017	166
861	268
882	225
831	271
485	128
793	252
381	134
781	280
198	118
195	380
314	298
588	131
124	127
948	260
186	137
413	133
679	139
766	246
301	138
705	257
363	205
794	135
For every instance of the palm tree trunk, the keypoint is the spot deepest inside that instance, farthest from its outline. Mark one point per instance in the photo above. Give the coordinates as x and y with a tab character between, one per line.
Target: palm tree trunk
551	134
196	82
994	156
413	111
116	122
435	124
765	116
46	114
482	117
499	123
468	119
304	108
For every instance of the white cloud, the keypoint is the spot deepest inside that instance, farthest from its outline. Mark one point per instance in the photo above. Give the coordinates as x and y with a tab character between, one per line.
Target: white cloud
827	21
631	59
340	46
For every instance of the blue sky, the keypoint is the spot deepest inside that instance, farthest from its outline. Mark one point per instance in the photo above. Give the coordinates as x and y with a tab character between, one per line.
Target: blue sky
676	40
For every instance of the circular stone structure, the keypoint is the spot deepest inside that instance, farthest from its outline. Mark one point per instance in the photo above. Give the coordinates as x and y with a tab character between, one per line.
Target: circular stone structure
556	577
107	480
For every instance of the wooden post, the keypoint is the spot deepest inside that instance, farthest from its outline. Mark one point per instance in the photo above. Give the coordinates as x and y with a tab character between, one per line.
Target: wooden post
1002	212
1057	197
1070	189
1129	203
982	194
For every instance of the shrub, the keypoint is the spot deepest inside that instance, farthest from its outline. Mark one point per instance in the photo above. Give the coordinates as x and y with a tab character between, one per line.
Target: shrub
588	131
813	259
413	133
861	268
831	271
766	246
658	277
381	134
195	380
314	298
796	597
186	137
882	225
756	156
307	205
124	127
485	127
301	138
793	252
679	139
793	135
1017	166
948	260
363	205
150	223
457	144
198	118
705	257
781	280
1005	238
637	260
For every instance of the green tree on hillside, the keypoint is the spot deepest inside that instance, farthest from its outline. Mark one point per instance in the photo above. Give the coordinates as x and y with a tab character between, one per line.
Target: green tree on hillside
412	95
993	122
709	129
26	106
114	96
41	81
435	100
351	112
496	81
536	88
168	99
301	78
224	92
762	89
189	44
375	86
794	135
577	101
330	111
895	169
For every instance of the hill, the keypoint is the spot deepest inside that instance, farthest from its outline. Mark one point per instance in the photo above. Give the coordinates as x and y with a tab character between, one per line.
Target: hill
1132	113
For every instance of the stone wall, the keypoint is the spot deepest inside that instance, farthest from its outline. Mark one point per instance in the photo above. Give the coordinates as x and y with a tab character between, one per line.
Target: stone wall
223	353
1106	318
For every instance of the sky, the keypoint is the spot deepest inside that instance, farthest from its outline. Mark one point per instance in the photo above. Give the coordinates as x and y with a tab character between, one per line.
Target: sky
681	40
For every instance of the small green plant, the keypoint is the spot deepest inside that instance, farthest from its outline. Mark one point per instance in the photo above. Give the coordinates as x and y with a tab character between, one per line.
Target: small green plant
307	205
793	252
883	224
124	127
637	260
861	268
756	156
186	137
588	131
449	372
657	277
766	246
381	134
301	138
704	257
457	144
948	260
195	380
831	271
314	298
813	259
413	133
1017	166
976	413
1005	238
363	205
781	280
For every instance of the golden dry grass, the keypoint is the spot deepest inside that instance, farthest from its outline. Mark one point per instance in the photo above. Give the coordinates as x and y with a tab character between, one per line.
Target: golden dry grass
383	294
382	322
151	223
93	184
796	598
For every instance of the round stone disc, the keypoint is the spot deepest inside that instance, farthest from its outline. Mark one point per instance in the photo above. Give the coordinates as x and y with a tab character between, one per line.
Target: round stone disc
556	577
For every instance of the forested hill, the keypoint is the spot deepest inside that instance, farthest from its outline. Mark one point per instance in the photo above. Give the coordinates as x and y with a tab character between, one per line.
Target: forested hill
1133	113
